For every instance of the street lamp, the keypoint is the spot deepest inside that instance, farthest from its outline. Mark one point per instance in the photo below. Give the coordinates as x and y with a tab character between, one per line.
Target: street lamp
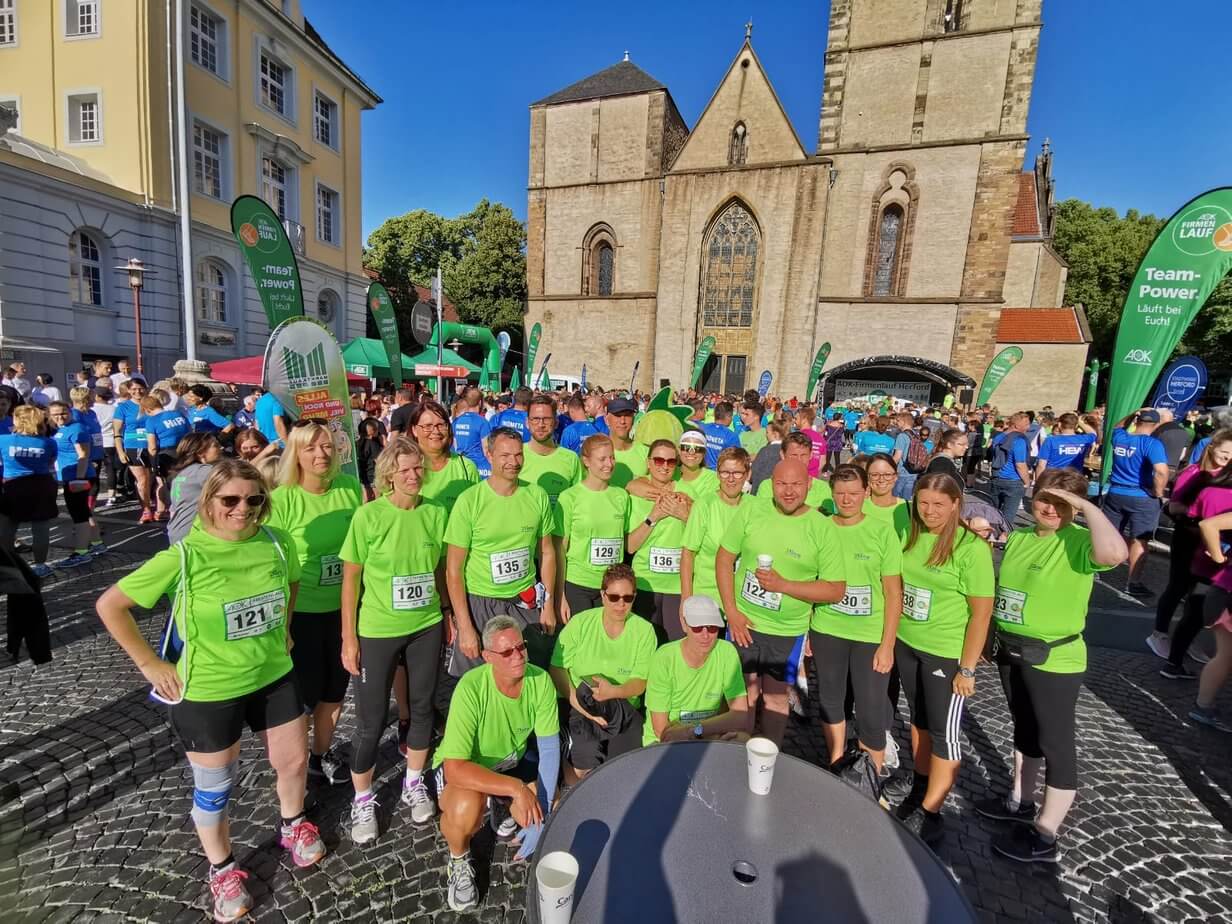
136	281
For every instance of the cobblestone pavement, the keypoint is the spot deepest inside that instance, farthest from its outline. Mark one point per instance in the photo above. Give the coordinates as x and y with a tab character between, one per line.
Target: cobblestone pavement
94	798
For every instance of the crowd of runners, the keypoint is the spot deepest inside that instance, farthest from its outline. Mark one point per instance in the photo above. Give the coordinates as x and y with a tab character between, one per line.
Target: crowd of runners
584	593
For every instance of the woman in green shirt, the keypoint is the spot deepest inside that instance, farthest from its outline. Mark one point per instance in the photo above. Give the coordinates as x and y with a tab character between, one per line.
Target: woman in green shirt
446	473
881	504
233	583
656	543
948	590
708	521
695	479
594	515
1041	610
314	502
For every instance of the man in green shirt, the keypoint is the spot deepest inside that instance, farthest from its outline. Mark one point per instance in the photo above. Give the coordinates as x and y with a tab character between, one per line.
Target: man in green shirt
544	463
630	456
799	448
487	753
493	534
695	690
754	436
790	560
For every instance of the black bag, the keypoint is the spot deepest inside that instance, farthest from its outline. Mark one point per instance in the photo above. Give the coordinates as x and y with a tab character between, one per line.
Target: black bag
1001	451
1009	648
856	769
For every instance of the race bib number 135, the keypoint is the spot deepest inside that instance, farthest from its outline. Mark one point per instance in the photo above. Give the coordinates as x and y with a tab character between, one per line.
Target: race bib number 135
510	567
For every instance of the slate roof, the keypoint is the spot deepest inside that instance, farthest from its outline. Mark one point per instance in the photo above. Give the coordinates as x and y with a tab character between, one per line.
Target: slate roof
620	79
1040	325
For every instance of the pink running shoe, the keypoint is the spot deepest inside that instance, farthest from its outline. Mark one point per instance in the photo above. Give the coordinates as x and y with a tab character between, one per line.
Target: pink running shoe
304	841
231	898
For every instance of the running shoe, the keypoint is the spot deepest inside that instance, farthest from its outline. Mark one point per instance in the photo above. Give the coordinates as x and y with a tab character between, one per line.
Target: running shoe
1177	672
929	826
329	768
463	893
109	502
303	840
98	548
997	808
1197	655
1160	644
231	898
76	560
147	516
1026	845
1139	590
501	819
41	570
416	796
364	829
1210	717
404	728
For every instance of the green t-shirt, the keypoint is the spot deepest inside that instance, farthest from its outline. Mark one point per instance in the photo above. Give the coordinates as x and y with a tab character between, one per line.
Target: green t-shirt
584	649
871	551
501	535
819	494
630	463
595	523
804	547
318	523
448	484
399	550
232	613
1043	591
555	472
488	728
935	608
898	516
753	441
657	562
708	521
689	694
705	484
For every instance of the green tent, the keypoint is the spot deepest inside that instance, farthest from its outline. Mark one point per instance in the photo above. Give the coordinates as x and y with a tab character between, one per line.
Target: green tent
448	358
368	358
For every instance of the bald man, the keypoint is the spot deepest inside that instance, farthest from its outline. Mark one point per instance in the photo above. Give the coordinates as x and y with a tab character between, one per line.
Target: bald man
789	560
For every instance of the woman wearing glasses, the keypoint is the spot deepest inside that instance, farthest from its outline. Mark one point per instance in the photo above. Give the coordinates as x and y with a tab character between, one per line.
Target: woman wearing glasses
695	480
600	665
233	582
594	515
446	473
708	521
881	503
394	547
314	502
657	542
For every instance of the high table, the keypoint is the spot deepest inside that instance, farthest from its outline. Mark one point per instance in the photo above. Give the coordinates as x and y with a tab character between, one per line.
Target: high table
671	833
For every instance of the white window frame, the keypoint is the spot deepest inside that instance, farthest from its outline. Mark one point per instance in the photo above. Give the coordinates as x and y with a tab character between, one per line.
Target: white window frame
289	179
72	115
221	41
82	264
335	218
8	11
264	48
15	99
335	120
223	156
72	19
203	286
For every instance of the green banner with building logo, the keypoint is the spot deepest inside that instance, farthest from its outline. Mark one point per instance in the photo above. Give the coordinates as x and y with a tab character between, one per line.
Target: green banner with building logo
1001	366
382	308
704	349
1188	258
819	363
267	250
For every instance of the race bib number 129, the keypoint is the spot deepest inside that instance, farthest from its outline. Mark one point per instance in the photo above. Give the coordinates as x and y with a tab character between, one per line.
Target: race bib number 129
604	552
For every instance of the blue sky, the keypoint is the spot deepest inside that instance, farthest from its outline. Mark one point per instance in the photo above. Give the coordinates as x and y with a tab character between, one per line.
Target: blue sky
1133	93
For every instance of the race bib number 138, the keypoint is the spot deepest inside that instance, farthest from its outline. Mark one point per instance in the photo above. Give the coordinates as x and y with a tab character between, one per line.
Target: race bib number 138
916	602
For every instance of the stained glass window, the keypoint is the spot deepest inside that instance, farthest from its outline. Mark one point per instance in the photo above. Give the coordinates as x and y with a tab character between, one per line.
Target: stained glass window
730	270
605	265
888	232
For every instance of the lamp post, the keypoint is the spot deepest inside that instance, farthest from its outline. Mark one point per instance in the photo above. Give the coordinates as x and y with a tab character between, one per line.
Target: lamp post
136	281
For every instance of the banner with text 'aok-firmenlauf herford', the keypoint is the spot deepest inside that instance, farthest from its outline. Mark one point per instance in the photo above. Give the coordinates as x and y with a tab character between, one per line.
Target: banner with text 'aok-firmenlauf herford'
1187	259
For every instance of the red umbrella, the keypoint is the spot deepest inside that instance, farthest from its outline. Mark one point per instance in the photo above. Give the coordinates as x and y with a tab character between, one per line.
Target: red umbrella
247	371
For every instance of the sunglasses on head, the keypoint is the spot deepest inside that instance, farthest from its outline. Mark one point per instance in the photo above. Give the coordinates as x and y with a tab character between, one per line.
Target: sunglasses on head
709	630
231	501
659	460
521	648
620	598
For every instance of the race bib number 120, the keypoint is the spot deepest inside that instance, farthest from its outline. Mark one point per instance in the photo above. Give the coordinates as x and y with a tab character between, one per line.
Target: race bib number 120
412	591
254	616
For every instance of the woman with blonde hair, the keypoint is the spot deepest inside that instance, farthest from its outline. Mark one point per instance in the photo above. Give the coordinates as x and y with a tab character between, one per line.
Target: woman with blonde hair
29	456
594	514
314	503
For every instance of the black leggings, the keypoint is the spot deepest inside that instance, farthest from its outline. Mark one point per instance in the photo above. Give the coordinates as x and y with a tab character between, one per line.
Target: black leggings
378	659
1190	623
582	598
840	662
1042	706
1181	579
662	611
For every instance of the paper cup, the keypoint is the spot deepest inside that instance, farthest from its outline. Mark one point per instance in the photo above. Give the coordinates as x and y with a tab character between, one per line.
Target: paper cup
764	562
555	876
761	753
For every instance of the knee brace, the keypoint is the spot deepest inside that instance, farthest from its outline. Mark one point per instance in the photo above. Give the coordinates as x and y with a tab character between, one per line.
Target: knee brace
211	791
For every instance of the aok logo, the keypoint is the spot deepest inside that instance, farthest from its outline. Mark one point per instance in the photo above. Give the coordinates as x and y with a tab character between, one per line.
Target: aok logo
1203	230
1138	357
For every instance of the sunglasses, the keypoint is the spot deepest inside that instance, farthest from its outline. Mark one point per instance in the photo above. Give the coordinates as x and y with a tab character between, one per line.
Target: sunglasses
231	501
620	598
688	448
659	460
521	649
709	630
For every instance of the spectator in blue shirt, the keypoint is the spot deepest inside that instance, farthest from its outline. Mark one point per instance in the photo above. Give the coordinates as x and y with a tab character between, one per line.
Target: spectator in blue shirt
1011	475
595	406
246	416
270	419
1065	447
719	434
1136	490
201	417
871	442
516	416
470	431
28	456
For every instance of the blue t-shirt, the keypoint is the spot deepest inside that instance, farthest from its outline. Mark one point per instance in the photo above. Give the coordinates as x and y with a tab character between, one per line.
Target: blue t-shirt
1018	452
718	438
244	419
23	455
851	419
6	425
469	432
514	419
90	420
169	427
67	439
204	419
1066	450
128	412
1134	457
562	423
902	443
867	442
267	409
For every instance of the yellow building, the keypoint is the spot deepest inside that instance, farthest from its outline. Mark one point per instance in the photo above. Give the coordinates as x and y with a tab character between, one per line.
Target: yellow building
269	110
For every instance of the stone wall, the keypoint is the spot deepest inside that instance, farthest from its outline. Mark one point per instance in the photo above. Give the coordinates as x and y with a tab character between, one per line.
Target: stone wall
859	329
975	338
992	219
608	335
1049	374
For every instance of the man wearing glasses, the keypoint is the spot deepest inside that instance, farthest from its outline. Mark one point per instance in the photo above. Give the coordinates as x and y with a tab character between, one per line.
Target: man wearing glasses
695	690
487	755
544	463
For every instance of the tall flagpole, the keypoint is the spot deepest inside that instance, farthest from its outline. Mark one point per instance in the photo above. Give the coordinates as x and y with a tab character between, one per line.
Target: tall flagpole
440	337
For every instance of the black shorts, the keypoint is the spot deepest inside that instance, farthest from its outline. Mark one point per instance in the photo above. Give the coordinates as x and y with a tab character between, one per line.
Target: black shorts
582	598
163	463
317	656
208	728
77	503
928	682
526	769
773	656
586	746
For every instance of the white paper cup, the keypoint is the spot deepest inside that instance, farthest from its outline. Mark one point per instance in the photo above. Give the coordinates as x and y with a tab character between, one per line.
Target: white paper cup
764	562
555	876
761	753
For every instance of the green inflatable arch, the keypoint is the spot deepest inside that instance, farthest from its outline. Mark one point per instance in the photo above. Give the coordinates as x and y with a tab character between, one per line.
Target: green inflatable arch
489	378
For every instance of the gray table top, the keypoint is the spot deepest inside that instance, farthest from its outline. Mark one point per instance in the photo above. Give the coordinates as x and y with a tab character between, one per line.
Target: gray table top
672	833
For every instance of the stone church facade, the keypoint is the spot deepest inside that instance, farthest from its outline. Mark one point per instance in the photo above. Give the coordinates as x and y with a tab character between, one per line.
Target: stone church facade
900	240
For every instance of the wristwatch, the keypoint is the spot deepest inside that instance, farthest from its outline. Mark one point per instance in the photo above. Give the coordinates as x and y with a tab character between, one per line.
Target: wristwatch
698	731
967	672
649	522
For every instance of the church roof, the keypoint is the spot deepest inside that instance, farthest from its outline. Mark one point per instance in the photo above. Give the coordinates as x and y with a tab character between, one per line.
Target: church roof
1026	212
620	79
1040	325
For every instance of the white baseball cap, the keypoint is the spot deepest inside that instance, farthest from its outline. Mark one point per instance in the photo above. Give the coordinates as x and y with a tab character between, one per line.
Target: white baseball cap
700	610
693	438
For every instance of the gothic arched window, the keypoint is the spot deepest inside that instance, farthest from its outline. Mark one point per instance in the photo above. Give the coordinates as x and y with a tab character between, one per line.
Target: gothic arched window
599	261
891	221
889	235
729	262
738	147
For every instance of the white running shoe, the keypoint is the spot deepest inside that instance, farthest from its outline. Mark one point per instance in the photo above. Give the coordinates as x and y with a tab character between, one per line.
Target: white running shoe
1160	644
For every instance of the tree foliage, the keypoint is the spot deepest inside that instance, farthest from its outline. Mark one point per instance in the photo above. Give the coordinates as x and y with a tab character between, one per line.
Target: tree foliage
1103	250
